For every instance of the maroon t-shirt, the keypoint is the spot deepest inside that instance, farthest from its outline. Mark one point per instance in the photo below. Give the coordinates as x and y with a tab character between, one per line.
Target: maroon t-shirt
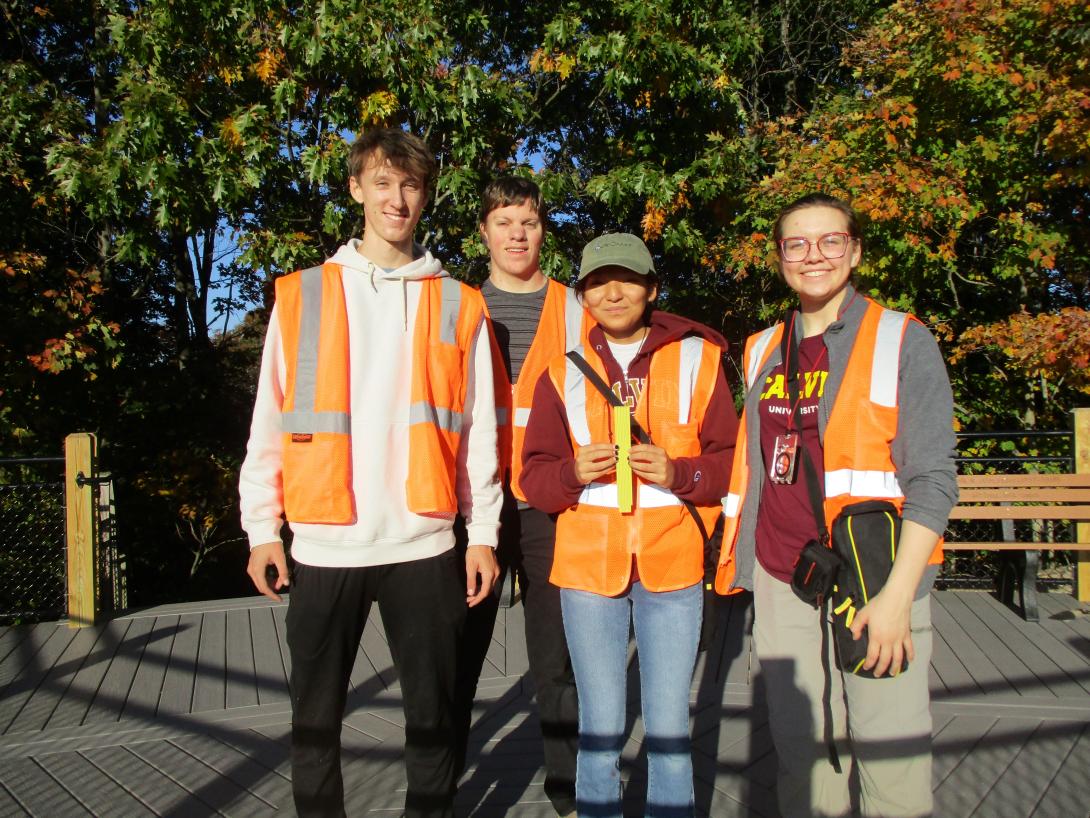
785	522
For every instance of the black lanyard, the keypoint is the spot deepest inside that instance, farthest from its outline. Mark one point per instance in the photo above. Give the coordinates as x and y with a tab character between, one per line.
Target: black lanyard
789	354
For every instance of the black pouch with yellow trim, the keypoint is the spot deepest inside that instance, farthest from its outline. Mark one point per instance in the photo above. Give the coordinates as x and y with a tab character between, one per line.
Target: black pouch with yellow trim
865	536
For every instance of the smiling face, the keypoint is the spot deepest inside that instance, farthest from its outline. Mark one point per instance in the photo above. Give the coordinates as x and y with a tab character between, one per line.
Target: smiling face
513	235
617	299
819	281
392	200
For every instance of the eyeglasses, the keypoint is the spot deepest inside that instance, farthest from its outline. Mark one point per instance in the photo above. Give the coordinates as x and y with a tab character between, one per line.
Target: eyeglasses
831	245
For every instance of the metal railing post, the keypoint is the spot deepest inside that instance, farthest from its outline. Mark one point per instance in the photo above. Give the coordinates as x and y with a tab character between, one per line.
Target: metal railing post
1081	425
81	515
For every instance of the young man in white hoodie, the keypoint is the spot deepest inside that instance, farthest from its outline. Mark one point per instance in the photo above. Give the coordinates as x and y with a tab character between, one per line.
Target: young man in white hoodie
375	424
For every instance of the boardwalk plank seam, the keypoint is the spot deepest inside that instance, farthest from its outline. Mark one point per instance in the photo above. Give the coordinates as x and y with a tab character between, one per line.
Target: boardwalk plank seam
1082	737
1029	649
116	685
171	778
68	790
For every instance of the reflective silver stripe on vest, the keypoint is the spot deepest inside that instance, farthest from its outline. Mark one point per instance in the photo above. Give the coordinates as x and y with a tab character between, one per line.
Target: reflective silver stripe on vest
758	353
887	357
448	315
522	416
442	417
501	415
573	320
859	483
604	495
732	505
303	419
691	349
311	423
575	402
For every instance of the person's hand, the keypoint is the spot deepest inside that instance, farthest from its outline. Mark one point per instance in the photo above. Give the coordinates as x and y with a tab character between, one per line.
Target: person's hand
652	464
595	460
481	573
261	557
887	618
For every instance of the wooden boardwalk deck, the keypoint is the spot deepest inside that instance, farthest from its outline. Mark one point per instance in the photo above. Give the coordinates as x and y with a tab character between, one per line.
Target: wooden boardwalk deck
183	710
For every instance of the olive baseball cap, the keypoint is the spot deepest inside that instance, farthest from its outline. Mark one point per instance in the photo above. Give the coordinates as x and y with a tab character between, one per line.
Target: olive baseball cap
616	250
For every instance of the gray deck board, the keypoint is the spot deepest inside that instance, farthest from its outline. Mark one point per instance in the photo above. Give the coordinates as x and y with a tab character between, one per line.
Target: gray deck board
85	682
1067	791
272	682
97	792
1017	792
23	643
147	685
109	699
1051	662
183	710
156	791
200	780
34	672
240	767
9	805
241	669
10	637
946	663
177	693
991	664
279	615
210	681
54	685
38	792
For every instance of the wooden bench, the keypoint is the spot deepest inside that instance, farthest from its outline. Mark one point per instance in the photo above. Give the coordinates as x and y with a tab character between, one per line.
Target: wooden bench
1010	497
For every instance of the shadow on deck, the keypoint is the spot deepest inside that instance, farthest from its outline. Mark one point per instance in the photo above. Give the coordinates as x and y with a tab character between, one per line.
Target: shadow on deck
183	710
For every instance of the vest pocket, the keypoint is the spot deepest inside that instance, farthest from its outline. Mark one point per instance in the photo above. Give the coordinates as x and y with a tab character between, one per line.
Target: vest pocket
679	439
444	377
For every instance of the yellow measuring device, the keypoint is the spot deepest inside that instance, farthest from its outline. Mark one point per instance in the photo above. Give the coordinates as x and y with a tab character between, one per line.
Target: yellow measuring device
622	436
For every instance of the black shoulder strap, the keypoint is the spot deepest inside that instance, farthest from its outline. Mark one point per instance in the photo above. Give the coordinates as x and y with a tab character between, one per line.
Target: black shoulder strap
789	353
637	430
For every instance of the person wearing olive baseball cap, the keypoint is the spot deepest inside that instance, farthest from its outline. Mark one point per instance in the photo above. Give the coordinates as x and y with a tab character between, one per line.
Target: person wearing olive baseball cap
616	250
640	559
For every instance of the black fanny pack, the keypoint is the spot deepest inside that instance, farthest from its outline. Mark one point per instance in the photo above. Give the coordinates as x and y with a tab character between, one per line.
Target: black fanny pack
865	537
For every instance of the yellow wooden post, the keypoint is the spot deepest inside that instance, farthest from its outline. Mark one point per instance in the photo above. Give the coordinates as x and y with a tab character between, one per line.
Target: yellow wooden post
80	517
1082	466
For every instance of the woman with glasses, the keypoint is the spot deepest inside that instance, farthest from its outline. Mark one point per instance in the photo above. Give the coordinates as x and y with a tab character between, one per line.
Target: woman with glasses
865	399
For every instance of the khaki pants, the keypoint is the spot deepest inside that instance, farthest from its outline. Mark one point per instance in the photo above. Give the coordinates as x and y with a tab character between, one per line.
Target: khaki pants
881	727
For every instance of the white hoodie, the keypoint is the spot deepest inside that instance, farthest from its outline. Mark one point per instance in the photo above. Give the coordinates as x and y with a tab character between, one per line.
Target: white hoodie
381	310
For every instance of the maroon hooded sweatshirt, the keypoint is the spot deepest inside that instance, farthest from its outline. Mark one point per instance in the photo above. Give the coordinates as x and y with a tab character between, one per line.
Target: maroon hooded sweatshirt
548	463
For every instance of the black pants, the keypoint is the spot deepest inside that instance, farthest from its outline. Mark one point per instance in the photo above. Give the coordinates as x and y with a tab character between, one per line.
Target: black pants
422	604
526	547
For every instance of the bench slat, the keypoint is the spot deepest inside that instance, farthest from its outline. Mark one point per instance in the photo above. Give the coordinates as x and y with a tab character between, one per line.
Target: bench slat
980	481
1078	513
1015	546
1023	495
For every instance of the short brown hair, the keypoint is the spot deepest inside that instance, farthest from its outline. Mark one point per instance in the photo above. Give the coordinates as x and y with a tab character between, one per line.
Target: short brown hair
504	191
403	150
818	200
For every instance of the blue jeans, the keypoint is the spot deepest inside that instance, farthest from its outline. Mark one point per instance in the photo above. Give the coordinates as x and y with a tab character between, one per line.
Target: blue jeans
667	629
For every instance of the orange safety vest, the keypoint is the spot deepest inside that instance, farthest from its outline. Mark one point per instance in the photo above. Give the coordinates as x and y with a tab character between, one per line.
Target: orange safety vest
595	542
862	424
563	325
316	419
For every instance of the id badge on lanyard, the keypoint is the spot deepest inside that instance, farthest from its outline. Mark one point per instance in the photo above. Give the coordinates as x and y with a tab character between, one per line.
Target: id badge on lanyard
785	448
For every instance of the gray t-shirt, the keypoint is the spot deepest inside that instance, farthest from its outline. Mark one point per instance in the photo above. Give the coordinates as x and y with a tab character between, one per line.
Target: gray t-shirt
515	317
